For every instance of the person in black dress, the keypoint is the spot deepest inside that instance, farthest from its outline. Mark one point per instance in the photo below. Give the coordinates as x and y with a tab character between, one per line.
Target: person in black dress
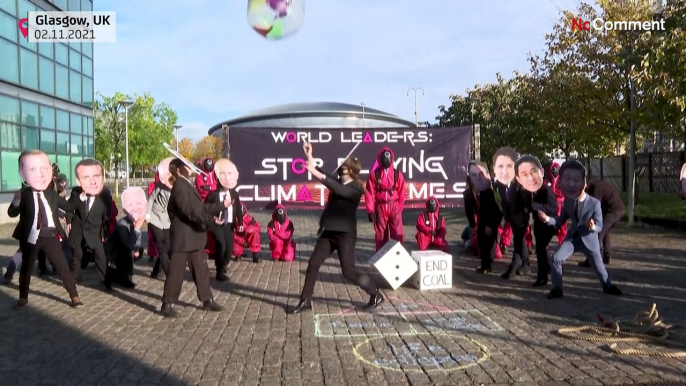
337	230
190	218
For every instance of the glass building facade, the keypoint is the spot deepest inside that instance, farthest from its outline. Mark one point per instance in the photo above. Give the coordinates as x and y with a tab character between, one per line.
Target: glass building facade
46	93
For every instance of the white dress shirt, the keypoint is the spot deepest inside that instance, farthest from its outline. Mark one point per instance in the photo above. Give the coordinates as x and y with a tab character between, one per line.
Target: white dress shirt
228	212
33	235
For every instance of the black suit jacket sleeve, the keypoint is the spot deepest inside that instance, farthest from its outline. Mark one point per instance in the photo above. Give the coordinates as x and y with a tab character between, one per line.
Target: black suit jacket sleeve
14	211
519	214
106	214
469	207
130	238
489	210
550	205
325	173
195	210
349	191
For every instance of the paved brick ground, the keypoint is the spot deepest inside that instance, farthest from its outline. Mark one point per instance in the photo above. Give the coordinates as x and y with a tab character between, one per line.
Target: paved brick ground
482	331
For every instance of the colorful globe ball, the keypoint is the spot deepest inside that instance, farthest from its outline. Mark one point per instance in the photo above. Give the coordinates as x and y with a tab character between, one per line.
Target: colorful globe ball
276	19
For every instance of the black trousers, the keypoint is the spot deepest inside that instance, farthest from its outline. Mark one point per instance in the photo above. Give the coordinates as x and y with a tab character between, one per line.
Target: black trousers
609	221
543	234
197	262
100	259
520	256
49	244
223	236
123	262
163	240
344	244
486	246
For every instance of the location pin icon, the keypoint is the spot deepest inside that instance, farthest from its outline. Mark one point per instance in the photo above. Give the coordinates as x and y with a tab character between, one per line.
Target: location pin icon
24	30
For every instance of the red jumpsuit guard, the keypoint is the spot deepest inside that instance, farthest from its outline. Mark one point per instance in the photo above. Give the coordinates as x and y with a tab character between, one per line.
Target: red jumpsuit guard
280	232
205	184
431	228
553	177
385	198
250	237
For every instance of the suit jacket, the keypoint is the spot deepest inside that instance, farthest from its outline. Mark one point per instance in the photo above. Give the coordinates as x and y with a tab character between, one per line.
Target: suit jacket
189	217
489	213
588	209
507	197
605	192
519	208
469	206
340	212
27	211
543	200
125	239
91	226
213	198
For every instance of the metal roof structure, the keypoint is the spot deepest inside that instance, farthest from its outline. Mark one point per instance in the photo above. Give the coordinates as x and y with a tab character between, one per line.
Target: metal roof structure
315	115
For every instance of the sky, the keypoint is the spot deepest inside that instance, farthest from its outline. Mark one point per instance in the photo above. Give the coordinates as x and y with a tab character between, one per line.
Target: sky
203	59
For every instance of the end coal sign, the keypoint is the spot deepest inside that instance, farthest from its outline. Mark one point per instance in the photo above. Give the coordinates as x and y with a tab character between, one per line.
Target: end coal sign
435	270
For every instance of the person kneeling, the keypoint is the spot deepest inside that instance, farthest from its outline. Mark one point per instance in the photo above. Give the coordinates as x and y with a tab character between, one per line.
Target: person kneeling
280	232
126	240
249	238
431	228
582	236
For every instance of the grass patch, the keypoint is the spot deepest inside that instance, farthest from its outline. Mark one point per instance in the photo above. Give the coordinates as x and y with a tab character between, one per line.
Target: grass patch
659	205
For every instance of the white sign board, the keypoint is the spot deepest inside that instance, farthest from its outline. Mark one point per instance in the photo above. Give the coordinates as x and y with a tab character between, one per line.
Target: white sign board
394	263
435	270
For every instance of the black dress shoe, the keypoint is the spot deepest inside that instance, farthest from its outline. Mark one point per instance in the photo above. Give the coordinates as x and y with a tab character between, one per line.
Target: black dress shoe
210	305
481	270
108	285
554	294
524	269
21	303
303	305
128	283
168	311
225	269
507	273
607	260
221	276
584	264
540	282
374	301
76	304
613	290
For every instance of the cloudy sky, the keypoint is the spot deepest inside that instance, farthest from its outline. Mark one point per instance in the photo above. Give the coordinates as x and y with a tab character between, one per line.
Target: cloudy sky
202	57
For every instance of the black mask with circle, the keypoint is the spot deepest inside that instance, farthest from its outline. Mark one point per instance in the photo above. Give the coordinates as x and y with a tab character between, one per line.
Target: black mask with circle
555	171
432	206
207	164
280	215
385	159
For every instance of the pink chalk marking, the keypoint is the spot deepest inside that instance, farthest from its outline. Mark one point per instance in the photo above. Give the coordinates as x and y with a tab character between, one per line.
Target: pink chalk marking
424	308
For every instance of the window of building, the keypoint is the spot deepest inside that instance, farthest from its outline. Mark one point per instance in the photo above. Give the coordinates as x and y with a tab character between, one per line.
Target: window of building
90	149
9	70
46	49
87	91
86	6
74	60
61	81
8	26
29	68
10	178
47	140
61	4
76	124
9	109
9	6
29	113
75	86
29	137
24	7
9	136
74	6
87	67
75	46
62	120
46	75
62	143
76	144
87	49
64	162
61	54
47	117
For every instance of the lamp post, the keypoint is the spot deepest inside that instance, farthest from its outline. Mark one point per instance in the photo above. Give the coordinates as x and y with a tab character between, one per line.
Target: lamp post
127	103
416	116
362	104
177	127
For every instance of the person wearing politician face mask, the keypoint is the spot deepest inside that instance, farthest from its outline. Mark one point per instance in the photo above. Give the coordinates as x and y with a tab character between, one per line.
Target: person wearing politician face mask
488	214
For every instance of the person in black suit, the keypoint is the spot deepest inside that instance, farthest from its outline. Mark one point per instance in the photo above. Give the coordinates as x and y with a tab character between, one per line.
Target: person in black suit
488	213
231	218
189	220
39	225
337	230
613	210
520	216
89	224
537	197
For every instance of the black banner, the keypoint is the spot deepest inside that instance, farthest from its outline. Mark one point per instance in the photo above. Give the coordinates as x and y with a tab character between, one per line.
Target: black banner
272	169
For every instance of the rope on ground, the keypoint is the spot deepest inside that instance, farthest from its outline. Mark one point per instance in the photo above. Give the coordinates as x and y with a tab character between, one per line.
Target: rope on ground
645	327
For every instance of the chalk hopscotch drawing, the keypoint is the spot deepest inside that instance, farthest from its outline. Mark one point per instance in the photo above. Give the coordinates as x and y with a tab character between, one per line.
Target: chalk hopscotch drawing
411	337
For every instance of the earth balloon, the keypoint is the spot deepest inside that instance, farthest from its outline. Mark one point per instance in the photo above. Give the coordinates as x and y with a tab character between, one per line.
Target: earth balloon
276	19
